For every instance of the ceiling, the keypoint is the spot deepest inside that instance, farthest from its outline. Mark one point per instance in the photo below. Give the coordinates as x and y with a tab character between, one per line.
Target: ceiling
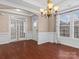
34	6
63	4
9	9
6	7
42	3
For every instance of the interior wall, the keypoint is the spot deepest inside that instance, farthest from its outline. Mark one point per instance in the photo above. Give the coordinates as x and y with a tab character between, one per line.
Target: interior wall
4	26
46	29
42	24
4	29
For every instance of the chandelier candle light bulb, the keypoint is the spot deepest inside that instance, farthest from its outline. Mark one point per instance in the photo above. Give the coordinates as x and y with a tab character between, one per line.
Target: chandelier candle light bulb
56	8
50	5
42	10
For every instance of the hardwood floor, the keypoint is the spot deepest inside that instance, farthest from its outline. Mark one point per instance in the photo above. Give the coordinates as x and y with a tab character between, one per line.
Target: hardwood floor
30	50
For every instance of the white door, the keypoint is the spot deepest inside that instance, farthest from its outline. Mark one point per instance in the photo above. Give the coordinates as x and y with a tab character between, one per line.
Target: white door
17	29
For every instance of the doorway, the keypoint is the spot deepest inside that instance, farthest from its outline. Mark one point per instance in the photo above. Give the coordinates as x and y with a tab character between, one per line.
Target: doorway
17	28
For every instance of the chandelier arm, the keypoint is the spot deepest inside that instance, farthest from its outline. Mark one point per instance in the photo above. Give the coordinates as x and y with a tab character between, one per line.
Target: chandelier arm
51	9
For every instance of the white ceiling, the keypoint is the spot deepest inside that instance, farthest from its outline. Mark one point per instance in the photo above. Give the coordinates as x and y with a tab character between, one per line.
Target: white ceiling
15	11
62	3
34	5
68	4
6	7
9	9
42	3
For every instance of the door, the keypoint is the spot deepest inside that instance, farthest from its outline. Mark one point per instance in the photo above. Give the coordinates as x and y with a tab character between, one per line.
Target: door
17	29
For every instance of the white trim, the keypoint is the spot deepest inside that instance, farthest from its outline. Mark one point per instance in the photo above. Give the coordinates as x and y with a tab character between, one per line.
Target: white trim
57	28
72	26
58	25
9	23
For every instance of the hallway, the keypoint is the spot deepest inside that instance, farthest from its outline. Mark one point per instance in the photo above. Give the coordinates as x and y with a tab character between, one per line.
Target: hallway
28	49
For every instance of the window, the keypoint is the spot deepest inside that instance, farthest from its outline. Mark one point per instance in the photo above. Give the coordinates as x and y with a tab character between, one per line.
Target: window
69	24
65	25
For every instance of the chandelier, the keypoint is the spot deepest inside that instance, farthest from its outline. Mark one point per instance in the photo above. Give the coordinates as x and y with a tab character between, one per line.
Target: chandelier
50	9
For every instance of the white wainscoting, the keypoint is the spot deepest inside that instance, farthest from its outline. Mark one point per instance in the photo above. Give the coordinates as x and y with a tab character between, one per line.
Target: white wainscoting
4	38
28	35
44	37
73	42
35	36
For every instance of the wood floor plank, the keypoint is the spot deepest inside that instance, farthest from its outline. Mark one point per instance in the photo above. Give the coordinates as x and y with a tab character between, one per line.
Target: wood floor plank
28	49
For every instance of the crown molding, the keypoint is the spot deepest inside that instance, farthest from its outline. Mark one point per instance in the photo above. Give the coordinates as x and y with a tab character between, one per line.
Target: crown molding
15	5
